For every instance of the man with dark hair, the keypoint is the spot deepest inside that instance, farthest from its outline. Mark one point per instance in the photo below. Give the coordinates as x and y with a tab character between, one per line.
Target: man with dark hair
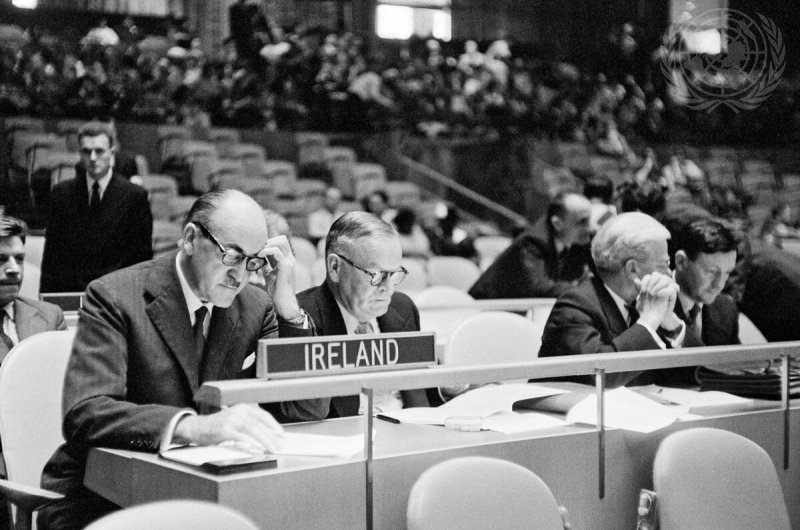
704	256
98	223
363	264
545	261
20	317
151	334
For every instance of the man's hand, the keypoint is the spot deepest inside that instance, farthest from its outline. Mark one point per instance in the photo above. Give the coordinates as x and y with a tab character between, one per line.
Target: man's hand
657	296
280	279
244	425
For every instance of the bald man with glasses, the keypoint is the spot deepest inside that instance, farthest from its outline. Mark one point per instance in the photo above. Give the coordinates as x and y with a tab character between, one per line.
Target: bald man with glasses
363	262
151	334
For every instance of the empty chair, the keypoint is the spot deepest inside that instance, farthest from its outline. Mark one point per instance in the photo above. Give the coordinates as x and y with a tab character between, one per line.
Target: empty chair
479	493
489	247
318	271
22	123
491	337
171	139
203	162
165	236
250	155
304	250
442	295
403	193
181	514
165	203
69	130
31	383
454	271
60	165
716	480
280	174
368	178
224	138
27	145
310	148
339	153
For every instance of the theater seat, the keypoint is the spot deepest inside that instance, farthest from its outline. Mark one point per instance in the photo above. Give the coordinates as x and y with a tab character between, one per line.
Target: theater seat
175	515
716	480
479	493
31	384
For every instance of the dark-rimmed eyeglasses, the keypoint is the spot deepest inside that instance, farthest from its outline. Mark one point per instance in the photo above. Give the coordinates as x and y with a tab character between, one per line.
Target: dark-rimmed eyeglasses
232	257
378	277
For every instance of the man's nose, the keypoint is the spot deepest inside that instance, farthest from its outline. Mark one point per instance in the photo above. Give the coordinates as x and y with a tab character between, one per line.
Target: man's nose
12	266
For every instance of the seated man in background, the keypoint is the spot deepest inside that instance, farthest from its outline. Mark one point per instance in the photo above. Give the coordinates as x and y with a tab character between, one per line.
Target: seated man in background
20	317
545	261
320	220
97	224
363	264
629	304
151	334
704	255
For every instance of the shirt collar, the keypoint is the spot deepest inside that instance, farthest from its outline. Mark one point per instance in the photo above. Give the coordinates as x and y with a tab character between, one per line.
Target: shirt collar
687	303
193	302
103	181
8	309
351	322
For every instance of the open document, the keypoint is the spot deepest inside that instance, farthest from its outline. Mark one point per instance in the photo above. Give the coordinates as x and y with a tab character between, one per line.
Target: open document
489	407
687	400
624	408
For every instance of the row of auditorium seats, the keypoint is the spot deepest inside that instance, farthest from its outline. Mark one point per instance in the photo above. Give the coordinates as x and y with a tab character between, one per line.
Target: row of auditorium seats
702	477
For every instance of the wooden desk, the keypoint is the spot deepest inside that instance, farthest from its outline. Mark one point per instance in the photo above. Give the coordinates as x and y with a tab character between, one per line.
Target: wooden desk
307	493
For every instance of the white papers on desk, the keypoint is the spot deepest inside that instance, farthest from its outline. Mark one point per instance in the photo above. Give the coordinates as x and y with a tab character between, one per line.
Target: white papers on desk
692	399
485	402
626	409
301	444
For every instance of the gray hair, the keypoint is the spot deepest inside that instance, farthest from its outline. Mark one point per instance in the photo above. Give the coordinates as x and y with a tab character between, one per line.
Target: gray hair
355	226
624	237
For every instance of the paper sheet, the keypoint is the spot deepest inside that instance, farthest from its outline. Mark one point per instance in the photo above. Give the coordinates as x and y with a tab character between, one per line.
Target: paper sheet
480	402
298	444
692	399
514	422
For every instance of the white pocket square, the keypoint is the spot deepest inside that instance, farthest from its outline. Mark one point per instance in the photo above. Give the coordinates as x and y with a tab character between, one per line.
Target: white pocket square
248	361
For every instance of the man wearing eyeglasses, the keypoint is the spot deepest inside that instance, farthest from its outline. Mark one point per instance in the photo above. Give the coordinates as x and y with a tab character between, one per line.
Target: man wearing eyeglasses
363	263
151	334
628	306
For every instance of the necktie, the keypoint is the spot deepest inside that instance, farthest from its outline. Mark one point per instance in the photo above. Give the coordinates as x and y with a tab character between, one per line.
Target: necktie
197	332
691	319
5	341
94	201
364	328
633	314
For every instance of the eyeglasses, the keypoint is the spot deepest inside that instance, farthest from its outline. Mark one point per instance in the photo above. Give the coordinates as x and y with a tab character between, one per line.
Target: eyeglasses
378	277
233	257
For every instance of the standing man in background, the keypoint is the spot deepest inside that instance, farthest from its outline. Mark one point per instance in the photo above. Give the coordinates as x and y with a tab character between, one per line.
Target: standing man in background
97	224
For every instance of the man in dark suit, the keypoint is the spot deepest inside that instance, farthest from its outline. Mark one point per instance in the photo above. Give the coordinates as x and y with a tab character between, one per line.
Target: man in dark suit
627	306
363	264
20	317
97	224
145	343
704	257
545	261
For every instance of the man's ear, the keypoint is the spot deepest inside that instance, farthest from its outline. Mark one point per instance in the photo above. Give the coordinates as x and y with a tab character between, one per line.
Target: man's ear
681	259
333	267
631	268
189	241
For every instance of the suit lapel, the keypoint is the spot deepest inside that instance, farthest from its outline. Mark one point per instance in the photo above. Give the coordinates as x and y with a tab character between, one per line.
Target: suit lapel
692	338
616	323
28	320
333	324
169	314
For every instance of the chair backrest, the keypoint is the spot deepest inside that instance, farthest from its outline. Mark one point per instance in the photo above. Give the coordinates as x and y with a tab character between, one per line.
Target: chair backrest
454	271
716	480
310	148
748	332
439	295
491	337
175	515
304	250
417	278
478	493
31	384
489	247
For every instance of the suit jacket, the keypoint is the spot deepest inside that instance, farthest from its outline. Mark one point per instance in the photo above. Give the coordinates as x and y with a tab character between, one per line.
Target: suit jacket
586	319
531	267
79	249
321	306
33	316
133	366
720	327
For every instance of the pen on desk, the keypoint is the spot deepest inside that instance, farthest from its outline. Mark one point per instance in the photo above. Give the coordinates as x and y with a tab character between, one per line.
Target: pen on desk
387	418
